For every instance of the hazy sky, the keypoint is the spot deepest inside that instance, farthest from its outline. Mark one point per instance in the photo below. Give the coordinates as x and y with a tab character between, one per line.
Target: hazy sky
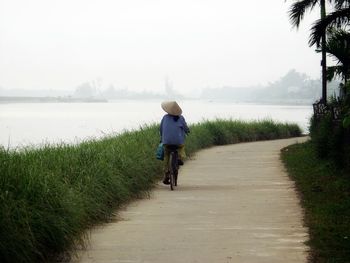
59	44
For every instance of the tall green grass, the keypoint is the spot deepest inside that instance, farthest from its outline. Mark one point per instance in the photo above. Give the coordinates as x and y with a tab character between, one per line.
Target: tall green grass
50	196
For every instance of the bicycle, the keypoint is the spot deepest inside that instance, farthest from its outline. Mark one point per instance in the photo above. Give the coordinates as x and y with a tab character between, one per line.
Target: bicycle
173	166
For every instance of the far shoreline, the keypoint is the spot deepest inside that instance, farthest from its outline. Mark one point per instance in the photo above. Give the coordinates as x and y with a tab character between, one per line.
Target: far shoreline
4	99
69	99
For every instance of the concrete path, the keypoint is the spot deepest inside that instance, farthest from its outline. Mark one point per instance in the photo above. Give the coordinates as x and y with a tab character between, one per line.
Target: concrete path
233	204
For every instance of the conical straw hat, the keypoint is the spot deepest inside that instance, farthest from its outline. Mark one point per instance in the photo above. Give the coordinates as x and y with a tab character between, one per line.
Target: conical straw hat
172	108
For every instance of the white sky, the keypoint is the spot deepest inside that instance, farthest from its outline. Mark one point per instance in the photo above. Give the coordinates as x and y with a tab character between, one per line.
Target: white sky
59	44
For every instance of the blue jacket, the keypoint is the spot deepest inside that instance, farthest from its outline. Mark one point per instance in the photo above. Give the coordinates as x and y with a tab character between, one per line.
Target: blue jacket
172	131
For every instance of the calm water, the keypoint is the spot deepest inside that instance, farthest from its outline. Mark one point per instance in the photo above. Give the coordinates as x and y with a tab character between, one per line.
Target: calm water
23	124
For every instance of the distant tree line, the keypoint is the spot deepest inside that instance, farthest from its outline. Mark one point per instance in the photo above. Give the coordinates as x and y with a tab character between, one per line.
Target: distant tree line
92	90
294	87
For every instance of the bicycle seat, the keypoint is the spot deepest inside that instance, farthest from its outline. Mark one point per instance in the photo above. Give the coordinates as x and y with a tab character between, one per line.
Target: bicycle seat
172	147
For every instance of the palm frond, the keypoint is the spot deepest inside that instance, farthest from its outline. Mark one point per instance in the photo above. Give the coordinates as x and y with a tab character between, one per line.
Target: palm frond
334	71
339	4
338	45
336	19
298	9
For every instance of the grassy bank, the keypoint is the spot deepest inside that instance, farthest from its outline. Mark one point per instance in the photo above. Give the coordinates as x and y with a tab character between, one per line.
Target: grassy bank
50	196
325	194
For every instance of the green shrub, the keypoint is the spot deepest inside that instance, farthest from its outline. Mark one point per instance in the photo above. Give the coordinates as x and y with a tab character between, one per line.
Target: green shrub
331	140
321	131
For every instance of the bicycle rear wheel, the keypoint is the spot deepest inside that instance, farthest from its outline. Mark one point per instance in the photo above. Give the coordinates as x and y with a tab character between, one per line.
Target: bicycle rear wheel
172	172
175	167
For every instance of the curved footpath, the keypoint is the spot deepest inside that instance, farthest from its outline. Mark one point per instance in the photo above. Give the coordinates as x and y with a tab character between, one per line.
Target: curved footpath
234	203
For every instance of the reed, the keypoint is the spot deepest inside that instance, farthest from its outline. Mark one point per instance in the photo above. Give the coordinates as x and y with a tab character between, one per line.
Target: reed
50	196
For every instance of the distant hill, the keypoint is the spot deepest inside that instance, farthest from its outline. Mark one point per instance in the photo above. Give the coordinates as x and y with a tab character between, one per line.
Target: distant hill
293	88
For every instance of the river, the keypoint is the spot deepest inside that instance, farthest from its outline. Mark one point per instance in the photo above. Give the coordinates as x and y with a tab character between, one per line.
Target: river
25	124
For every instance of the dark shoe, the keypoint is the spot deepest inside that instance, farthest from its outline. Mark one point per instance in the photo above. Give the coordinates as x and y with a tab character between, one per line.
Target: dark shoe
180	162
166	181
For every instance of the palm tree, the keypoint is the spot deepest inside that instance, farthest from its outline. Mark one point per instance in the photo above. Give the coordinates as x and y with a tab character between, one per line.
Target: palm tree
296	14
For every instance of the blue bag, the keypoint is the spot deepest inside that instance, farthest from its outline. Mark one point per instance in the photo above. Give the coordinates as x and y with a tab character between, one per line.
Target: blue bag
160	152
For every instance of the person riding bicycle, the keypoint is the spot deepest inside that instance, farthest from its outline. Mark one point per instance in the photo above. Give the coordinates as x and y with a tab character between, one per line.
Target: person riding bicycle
173	130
